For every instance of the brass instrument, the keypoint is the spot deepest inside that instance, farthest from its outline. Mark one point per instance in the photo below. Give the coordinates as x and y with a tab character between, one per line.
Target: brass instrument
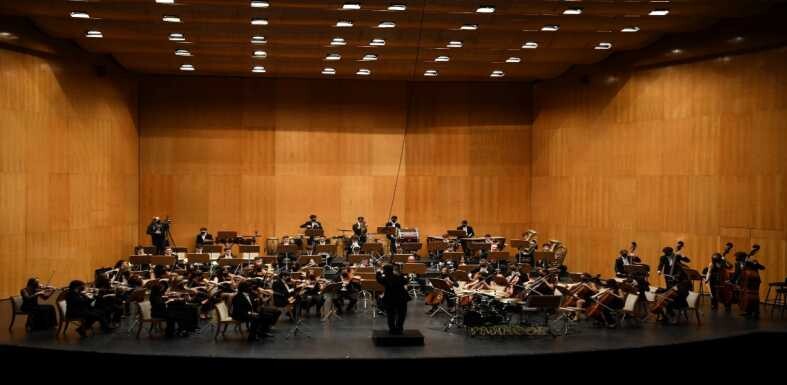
530	234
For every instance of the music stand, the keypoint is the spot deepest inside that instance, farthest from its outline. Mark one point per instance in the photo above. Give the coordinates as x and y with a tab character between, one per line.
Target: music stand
226	236
441	286
414	268
149	250
400	258
139	260
163	260
410	247
232	261
539	256
638	269
330	292
249	251
329	249
436	246
356	259
313	233
369	287
520	244
499	256
386	230
303	260
373	248
202	258
287	250
457	233
213	250
455	256
476	246
269	259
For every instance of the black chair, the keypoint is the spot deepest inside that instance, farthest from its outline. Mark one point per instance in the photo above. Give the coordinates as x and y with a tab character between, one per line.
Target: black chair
16	309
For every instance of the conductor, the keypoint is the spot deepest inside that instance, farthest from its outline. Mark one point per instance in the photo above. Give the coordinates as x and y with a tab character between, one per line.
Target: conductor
395	297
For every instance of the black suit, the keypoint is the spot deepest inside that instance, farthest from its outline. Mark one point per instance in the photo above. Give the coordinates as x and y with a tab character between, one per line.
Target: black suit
620	264
670	270
395	300
361	234
242	310
310	224
392	237
281	293
468	229
158	236
79	306
202	240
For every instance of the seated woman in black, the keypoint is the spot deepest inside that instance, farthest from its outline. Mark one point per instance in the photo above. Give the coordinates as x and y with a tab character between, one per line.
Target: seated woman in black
107	300
41	317
79	305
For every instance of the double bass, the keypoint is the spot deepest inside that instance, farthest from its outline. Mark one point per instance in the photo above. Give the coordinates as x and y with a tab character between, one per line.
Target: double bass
725	289
749	282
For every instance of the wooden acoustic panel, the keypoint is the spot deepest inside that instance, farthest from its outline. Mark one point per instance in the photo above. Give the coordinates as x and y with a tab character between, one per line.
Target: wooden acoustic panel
692	152
246	155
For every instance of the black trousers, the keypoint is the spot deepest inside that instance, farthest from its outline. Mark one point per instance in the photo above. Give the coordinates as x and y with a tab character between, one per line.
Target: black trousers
42	317
396	313
160	242
266	318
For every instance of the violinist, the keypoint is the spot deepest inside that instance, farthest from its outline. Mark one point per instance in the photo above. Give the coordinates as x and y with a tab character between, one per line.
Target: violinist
713	276
107	299
41	316
350	287
747	278
310	295
284	295
479	281
669	265
170	310
242	309
79	305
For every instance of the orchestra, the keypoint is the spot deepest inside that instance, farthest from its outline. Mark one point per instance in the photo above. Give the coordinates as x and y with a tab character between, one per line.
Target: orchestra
259	290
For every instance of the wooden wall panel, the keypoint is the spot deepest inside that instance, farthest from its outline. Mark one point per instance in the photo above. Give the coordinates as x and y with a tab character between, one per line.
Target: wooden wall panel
68	166
262	155
693	151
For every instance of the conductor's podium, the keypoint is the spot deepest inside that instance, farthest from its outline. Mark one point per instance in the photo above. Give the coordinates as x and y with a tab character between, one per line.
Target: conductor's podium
409	337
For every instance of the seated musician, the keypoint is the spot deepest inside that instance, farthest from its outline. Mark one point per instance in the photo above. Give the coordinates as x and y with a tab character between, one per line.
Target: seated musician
177	313
168	252
479	281
682	283
107	299
283	294
242	309
591	282
322	241
607	314
227	253
285	258
311	296
623	260
203	238
41	316
350	287
79	305
445	275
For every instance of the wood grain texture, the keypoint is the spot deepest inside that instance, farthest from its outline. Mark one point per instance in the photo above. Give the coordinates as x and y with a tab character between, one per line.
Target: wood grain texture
262	155
693	152
68	167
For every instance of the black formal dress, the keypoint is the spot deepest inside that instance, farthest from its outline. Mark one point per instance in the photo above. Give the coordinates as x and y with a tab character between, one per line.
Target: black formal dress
395	298
42	317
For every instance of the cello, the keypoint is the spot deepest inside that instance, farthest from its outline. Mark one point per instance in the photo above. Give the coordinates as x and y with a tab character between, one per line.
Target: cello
725	289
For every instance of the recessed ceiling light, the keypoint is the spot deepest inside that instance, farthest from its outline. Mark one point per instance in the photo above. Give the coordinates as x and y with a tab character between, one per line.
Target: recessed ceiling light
363	72
338	41
7	36
187	67
260	4
260	54
171	19
442	59
182	52
328	71
737	39
258	69
369	57
351	6
603	45
497	74
630	29
485	9
165	1
386	24
573	11
397	7
514	59
333	56
530	45
94	34
377	42
431	73
659	12
469	27
344	23
80	15
550	28
258	40
176	37
454	44
677	51
259	21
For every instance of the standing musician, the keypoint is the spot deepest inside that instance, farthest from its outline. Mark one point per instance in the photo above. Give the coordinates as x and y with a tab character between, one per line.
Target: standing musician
311	224
360	230
394	222
395	297
42	316
669	264
466	228
158	234
747	278
717	275
203	238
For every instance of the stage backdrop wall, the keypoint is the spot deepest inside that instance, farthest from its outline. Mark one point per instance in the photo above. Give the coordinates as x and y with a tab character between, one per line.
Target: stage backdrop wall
692	152
263	154
68	164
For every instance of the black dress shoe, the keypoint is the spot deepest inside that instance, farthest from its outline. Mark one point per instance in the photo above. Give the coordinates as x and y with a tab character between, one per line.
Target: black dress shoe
82	333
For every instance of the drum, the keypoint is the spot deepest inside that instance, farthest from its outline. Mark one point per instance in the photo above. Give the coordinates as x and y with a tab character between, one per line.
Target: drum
408	235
